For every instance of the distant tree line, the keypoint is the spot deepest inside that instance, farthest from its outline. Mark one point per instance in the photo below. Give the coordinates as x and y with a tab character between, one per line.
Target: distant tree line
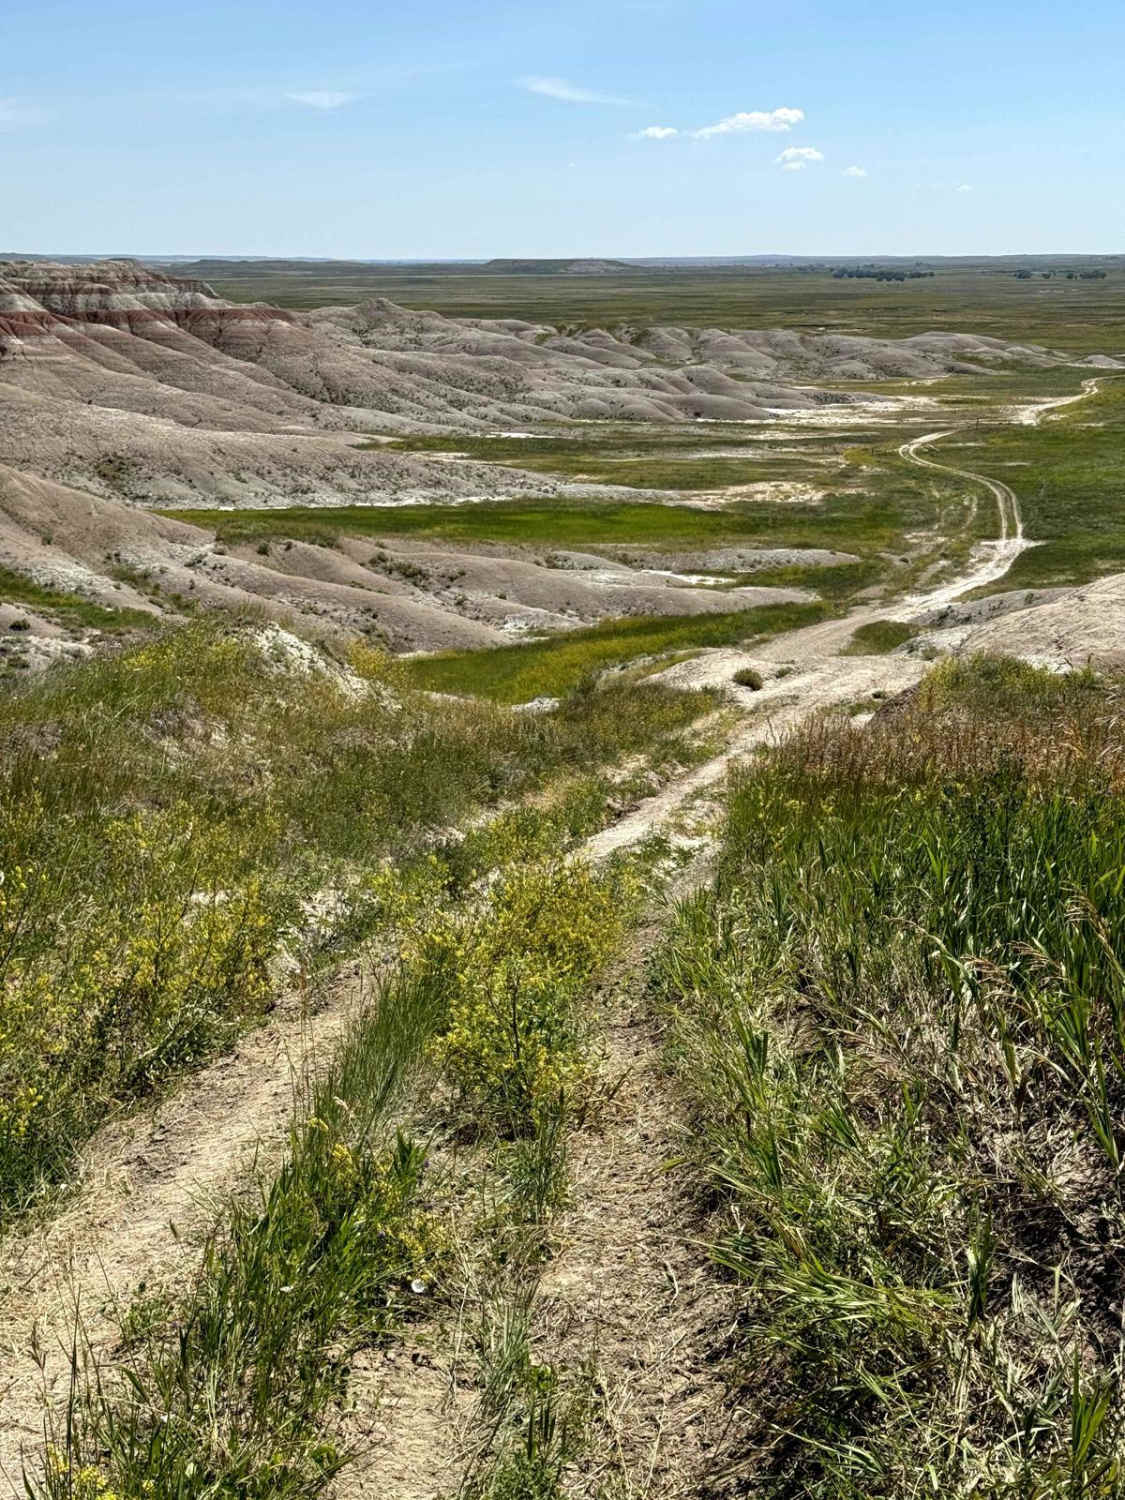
876	273
1026	275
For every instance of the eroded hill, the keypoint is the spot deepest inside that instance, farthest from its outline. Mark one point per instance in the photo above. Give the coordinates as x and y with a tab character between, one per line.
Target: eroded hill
124	390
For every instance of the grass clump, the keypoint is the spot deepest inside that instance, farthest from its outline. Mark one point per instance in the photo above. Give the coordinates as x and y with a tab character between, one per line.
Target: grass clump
879	637
900	1016
748	677
556	667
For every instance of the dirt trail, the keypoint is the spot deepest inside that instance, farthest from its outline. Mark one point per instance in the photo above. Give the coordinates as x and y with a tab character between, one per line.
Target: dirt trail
631	1279
139	1177
818	678
1032	414
630	1284
782	704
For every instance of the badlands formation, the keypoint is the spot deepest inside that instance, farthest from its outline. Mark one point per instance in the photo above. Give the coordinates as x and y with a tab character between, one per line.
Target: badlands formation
124	391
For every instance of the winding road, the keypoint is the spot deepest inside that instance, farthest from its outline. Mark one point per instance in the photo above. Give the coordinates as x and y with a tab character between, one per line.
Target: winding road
995	558
817	676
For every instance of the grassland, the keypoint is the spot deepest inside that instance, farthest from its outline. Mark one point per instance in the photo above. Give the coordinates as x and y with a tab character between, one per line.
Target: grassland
980	298
895	1029
167	813
1070	475
898	1018
557	666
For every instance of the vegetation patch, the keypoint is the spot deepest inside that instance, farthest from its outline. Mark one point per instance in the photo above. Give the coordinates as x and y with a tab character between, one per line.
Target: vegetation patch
228	1390
900	1017
166	815
555	667
67	609
878	637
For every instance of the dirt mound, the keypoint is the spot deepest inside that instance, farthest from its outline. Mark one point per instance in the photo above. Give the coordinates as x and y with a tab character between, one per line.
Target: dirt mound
1063	629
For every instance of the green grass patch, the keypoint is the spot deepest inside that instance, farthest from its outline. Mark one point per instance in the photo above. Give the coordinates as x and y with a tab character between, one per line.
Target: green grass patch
841	522
878	637
1069	474
68	609
554	667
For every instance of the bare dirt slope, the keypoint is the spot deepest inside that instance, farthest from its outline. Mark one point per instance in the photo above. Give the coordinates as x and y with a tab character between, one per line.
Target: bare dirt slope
134	384
123	389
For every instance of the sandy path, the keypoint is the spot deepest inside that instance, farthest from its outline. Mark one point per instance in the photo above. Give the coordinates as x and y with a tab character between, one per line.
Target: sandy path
140	1177
782	704
630	1283
1032	414
820	679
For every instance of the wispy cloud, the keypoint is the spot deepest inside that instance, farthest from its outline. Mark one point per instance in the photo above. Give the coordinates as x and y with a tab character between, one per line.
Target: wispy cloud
964	187
570	93
855	171
797	158
323	98
655	133
13	112
752	120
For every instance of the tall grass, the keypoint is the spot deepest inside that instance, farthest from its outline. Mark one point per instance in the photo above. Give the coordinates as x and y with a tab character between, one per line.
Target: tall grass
899	1016
166	816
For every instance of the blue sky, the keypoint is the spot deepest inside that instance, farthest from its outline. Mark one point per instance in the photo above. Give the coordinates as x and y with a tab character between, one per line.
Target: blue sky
450	130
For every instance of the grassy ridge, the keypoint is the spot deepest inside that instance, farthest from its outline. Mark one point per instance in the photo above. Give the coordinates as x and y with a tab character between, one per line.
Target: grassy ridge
555	667
900	1017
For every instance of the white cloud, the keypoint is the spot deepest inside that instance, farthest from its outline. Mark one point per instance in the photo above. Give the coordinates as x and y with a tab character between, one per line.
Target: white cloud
797	158
570	93
322	98
754	119
855	171
964	187
655	133
12	112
